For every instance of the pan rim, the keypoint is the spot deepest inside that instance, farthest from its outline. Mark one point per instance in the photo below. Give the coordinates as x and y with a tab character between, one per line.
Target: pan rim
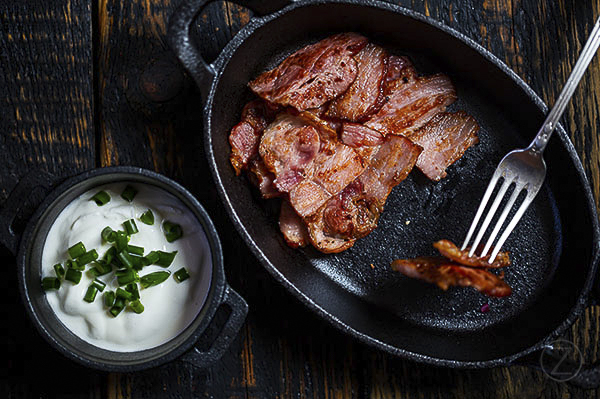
219	66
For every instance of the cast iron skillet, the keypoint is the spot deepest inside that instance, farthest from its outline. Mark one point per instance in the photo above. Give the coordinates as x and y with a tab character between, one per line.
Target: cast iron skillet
555	247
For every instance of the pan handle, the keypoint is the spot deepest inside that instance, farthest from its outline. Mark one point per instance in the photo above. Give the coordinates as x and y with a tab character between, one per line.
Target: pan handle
16	205
239	309
180	39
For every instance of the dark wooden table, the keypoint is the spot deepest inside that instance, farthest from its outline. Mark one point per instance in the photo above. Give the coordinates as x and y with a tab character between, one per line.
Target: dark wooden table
83	85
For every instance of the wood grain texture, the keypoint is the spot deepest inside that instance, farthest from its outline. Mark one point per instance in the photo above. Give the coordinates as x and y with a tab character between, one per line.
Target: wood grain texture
148	114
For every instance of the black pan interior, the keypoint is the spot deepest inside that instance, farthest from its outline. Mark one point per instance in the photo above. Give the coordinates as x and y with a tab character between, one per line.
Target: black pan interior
551	247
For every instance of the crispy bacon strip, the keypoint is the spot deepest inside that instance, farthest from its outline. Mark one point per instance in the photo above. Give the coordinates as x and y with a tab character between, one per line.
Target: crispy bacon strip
444	140
361	97
292	227
448	249
312	75
443	273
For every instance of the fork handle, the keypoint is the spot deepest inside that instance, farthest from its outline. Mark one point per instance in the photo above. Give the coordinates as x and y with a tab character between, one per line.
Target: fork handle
589	50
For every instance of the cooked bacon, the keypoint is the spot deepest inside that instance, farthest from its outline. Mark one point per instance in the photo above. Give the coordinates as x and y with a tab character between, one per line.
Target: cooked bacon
356	135
361	97
327	128
354	212
262	178
399	70
443	273
448	249
292	226
312	75
444	140
245	136
306	165
410	106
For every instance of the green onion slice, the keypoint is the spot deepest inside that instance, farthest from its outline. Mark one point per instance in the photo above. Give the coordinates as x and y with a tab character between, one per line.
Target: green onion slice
125	259
151	258
50	283
153	279
118	306
108	234
99	284
109	254
172	231
137	306
76	250
181	275
87	257
74	264
109	298
130	227
121	241
165	258
121	293
147	217
73	276
59	270
101	198
133	289
90	294
126	276
135	250
129	193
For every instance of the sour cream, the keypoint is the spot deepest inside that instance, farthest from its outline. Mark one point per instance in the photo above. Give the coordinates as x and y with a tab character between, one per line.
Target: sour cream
169	307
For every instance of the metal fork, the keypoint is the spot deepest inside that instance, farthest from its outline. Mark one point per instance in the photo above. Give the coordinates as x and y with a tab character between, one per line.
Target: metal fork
525	168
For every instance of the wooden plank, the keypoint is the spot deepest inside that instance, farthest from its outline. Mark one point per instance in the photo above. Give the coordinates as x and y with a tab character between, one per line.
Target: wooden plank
46	122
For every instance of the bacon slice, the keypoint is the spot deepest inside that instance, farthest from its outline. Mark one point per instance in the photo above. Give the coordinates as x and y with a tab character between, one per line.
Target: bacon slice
361	97
443	273
399	70
448	249
412	105
309	166
292	227
356	135
245	136
312	75
444	140
354	212
262	178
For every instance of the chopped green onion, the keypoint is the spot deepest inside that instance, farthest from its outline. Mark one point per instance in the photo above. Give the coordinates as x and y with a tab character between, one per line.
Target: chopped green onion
76	250
126	276
129	193
137	262
109	298
130	227
152	279
101	198
59	270
109	255
87	257
135	250
50	283
101	268
181	275
165	258
121	293
74	264
173	231
108	234
125	259
118	306
151	258
133	289
121	240
99	284
137	306
90	294
147	217
73	275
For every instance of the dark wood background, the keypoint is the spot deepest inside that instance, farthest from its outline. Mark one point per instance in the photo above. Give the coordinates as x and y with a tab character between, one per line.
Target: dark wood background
83	85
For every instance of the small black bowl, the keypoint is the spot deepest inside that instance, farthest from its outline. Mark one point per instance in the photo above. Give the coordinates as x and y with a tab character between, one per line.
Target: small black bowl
28	248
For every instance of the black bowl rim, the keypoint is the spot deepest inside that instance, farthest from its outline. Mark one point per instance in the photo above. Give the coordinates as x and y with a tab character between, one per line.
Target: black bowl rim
215	292
218	67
